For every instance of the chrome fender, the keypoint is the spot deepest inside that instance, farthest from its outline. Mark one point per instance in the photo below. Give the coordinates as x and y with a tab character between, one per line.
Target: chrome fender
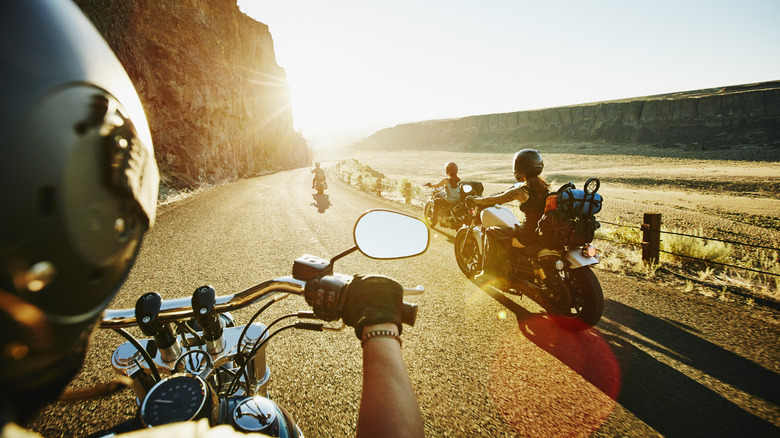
575	259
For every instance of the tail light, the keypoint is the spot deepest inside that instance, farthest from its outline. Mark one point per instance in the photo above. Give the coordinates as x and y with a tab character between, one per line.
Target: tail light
589	251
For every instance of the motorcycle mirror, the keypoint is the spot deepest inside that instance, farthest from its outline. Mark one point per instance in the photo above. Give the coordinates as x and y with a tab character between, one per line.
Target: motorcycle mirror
466	188
386	234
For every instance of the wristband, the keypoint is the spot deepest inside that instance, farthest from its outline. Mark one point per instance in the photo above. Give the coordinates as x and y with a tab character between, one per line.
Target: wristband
379	334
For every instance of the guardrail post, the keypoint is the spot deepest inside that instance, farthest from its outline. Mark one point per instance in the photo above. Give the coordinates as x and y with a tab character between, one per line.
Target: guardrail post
651	237
408	192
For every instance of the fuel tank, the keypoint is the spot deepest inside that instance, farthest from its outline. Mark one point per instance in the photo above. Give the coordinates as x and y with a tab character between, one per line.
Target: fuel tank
498	216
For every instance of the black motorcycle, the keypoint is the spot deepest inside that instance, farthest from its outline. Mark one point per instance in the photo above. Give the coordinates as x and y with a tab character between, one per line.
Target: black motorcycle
558	276
455	215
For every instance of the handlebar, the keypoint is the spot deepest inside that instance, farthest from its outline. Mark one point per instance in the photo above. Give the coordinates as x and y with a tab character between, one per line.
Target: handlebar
181	308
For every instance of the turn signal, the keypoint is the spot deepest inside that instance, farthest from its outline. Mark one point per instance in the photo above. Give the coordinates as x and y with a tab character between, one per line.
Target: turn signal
589	251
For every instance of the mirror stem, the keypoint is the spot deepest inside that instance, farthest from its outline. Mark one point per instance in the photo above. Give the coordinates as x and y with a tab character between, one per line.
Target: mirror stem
347	252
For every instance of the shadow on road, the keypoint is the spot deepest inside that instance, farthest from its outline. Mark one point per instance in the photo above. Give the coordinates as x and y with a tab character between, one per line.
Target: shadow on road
672	402
322	202
617	360
450	237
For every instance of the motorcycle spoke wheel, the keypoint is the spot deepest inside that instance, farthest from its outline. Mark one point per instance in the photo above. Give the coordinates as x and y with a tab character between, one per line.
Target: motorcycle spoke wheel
468	256
429	218
587	301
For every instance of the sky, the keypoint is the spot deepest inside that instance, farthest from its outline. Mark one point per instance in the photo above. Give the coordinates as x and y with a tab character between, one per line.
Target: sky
355	67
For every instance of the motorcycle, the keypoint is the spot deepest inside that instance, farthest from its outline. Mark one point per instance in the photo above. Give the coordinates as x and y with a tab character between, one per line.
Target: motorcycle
209	367
320	185
457	214
558	277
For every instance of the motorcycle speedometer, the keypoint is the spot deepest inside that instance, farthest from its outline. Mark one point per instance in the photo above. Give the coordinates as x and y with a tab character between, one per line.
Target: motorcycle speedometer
181	397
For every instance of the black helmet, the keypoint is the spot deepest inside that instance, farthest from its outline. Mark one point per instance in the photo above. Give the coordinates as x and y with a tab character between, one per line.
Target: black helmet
317	164
528	163
451	168
78	188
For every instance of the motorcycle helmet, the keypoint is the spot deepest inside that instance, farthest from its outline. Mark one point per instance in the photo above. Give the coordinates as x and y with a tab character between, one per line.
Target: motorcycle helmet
451	168
528	163
79	188
317	164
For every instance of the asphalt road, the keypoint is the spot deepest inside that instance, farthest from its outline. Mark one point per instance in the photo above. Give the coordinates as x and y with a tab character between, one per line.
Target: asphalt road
660	362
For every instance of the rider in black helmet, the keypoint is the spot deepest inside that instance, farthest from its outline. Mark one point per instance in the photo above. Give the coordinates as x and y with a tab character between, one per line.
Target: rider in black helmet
527	165
450	184
78	190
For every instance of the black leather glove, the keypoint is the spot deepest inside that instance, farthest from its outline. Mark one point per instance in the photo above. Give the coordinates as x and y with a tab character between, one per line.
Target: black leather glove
470	201
373	299
427	184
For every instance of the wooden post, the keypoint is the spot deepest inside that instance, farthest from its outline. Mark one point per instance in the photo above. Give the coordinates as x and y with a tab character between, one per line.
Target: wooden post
408	192
378	187
651	237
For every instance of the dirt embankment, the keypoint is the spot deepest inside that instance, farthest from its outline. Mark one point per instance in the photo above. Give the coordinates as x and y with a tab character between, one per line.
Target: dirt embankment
217	102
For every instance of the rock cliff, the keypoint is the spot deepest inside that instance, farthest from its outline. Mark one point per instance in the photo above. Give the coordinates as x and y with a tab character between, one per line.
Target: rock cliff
218	104
702	119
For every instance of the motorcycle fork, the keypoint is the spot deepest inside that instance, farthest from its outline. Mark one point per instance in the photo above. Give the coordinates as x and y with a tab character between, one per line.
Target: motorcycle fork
558	295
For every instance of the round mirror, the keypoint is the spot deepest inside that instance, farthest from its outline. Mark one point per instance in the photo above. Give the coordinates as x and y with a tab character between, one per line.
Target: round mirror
466	188
385	234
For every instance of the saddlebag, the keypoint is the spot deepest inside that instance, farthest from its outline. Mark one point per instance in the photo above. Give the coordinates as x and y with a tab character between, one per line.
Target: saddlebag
569	217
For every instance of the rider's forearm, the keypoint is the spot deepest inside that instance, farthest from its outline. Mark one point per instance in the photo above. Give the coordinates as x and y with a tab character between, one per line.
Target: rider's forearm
507	196
389	406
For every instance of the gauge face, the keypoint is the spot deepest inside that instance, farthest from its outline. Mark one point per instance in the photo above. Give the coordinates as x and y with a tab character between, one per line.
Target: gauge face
175	398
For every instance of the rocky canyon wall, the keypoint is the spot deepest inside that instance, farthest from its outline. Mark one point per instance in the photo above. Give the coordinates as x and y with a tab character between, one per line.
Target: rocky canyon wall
218	104
702	119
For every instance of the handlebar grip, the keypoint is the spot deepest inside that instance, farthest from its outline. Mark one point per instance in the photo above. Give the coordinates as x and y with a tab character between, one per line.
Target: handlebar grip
409	313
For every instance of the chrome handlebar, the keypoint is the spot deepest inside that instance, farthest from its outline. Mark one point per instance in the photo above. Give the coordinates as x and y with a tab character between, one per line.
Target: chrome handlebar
181	308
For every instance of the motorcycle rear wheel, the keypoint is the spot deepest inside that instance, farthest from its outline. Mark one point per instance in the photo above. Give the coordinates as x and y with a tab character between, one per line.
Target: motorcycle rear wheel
587	301
430	219
468	256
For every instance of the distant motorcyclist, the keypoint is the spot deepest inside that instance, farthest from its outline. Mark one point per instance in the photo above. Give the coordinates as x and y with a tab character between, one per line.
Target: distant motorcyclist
451	187
527	165
319	174
79	195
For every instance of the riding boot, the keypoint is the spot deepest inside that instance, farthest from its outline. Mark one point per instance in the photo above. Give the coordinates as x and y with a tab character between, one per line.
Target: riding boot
491	271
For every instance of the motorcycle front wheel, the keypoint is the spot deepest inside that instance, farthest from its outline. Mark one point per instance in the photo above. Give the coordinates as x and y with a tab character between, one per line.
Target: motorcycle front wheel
467	253
428	212
587	301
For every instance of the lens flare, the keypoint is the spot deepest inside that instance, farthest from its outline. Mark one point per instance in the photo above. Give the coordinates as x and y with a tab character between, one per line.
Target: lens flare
546	381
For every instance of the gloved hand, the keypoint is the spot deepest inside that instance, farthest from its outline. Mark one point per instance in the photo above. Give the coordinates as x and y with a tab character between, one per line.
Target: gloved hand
470	201
373	299
427	184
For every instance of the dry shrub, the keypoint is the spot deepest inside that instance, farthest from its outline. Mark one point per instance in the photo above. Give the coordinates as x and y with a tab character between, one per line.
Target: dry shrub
688	247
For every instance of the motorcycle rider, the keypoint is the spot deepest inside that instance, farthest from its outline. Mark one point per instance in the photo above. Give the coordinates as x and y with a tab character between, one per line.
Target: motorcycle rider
452	190
527	165
319	174
79	191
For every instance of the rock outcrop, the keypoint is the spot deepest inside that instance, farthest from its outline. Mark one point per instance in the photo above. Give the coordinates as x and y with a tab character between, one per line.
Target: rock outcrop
711	118
218	104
